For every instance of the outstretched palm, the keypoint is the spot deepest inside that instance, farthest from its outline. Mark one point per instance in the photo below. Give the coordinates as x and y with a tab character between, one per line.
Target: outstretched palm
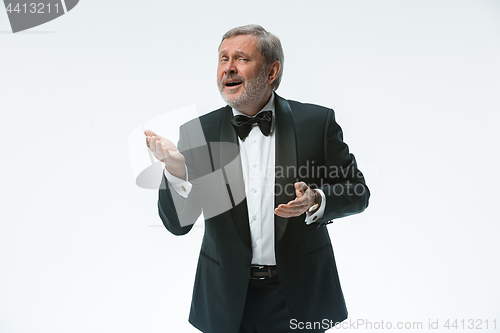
165	151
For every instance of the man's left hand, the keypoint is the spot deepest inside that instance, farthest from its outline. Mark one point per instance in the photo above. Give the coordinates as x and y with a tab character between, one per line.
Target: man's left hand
303	201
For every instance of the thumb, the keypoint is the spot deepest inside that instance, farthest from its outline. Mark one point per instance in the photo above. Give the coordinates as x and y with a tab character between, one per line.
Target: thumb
298	191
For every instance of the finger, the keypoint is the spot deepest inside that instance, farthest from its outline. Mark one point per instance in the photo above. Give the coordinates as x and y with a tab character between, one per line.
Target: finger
167	144
160	152
298	202
288	213
300	188
149	143
149	133
295	210
152	145
285	210
293	207
280	213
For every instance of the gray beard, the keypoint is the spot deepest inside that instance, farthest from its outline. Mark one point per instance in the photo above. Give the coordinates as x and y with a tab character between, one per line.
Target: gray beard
254	90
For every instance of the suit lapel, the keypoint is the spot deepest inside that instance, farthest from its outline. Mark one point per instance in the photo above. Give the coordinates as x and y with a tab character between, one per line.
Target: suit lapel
286	162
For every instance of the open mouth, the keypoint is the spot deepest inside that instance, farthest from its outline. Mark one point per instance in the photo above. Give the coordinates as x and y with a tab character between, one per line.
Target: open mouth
231	84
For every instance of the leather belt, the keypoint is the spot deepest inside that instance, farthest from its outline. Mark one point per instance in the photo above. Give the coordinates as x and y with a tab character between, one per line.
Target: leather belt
261	272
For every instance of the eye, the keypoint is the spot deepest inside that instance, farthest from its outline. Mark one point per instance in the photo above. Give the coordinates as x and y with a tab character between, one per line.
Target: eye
244	59
223	59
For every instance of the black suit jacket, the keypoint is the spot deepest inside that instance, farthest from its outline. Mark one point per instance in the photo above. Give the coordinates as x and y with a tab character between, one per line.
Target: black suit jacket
309	148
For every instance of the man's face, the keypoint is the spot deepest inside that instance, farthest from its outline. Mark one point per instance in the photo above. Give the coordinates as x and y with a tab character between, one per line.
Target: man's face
241	74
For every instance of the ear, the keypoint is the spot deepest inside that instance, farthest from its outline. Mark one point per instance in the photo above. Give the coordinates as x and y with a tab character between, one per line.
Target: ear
272	71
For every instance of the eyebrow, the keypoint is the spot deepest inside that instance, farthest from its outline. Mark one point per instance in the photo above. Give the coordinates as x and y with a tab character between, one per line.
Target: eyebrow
237	52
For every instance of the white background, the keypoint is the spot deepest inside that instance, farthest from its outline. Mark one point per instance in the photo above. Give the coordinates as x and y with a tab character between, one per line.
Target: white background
415	86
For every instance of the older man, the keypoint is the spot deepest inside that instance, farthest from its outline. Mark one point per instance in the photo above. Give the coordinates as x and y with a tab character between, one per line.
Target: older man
266	262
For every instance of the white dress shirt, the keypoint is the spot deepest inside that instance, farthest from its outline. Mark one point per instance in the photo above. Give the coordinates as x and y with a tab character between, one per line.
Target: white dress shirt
257	154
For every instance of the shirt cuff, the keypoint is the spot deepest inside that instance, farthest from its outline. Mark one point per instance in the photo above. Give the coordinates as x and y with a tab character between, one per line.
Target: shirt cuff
181	186
318	215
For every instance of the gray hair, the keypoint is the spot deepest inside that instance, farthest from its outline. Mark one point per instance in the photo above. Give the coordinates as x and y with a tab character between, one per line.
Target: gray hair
269	46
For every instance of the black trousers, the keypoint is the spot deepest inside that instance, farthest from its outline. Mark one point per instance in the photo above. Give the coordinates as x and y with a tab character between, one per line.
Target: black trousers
266	310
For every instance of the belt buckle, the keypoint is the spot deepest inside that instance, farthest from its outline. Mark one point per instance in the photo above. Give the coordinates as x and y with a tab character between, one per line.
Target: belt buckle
269	272
255	277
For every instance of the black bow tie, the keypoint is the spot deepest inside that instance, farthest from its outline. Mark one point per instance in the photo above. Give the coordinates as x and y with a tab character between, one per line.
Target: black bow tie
243	124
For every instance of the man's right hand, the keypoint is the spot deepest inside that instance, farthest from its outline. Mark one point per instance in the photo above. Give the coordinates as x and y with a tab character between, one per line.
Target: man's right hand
165	151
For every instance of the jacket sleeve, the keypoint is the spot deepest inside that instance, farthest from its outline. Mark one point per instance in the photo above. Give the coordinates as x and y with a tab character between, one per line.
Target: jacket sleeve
178	214
345	188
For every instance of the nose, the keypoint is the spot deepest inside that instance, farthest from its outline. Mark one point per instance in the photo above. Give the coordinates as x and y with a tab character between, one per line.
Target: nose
230	67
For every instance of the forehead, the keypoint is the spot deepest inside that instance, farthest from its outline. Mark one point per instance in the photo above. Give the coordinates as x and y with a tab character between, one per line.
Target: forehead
247	44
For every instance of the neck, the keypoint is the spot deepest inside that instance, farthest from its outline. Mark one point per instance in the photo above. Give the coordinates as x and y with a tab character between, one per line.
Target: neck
252	110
